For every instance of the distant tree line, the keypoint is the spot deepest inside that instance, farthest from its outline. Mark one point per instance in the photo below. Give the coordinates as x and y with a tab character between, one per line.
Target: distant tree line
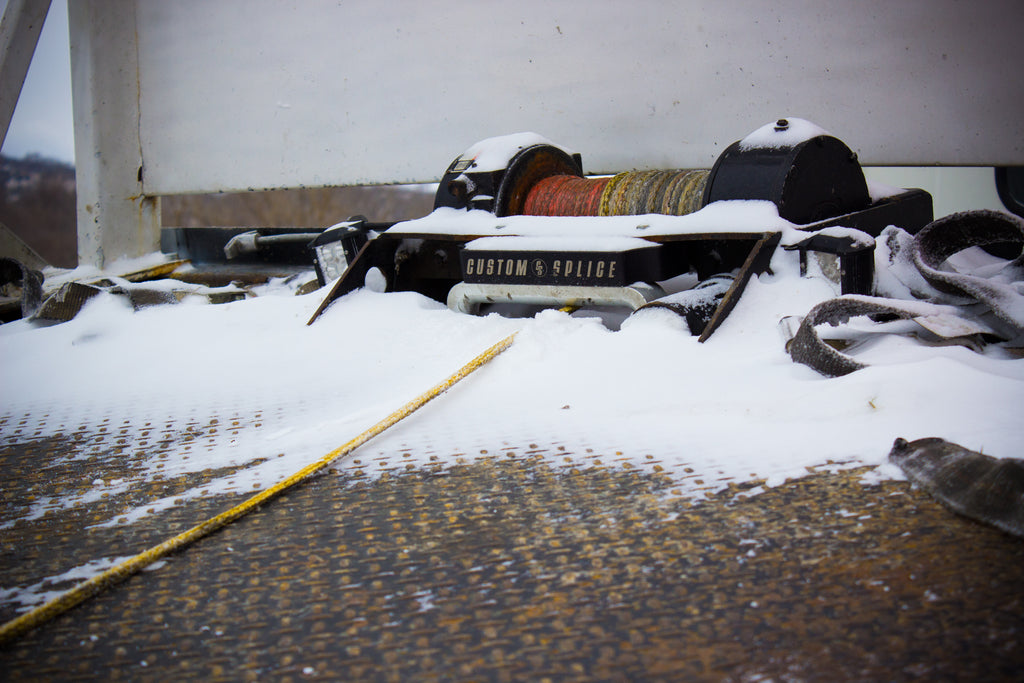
37	202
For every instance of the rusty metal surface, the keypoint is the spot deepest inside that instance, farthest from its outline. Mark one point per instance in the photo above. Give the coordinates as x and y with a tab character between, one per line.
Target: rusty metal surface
519	564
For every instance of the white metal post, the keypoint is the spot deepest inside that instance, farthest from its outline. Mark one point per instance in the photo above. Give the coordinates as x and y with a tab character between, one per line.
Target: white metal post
19	32
115	217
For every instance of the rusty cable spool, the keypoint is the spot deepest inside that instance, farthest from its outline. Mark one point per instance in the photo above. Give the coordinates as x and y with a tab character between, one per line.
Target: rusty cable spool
633	193
685	192
645	183
565	195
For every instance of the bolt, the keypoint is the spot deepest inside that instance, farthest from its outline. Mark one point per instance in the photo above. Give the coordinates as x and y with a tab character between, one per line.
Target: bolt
781	125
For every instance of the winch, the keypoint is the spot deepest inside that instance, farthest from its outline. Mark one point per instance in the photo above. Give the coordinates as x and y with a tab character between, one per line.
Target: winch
516	221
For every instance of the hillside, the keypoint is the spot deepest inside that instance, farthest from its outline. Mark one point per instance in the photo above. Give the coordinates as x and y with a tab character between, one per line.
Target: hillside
37	202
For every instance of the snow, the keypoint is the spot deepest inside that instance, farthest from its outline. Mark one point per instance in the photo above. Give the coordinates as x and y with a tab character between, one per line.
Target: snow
56	276
733	216
775	135
556	243
878	190
648	396
493	154
856	237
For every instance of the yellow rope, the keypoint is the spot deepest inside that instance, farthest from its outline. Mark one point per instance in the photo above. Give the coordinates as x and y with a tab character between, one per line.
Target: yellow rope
62	603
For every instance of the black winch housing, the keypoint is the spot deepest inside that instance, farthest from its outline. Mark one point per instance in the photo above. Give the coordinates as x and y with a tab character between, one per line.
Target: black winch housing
812	181
815	183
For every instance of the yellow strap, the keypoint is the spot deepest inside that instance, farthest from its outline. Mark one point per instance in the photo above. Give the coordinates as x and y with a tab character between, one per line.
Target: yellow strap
62	603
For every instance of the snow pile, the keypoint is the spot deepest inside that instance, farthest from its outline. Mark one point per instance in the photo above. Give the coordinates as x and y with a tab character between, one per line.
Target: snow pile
733	409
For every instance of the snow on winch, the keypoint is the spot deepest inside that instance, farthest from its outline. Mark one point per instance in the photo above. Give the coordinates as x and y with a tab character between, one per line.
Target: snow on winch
517	225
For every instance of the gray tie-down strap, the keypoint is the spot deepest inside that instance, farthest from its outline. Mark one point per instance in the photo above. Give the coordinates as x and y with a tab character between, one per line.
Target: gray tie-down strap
1001	291
978	486
29	282
959	306
808	348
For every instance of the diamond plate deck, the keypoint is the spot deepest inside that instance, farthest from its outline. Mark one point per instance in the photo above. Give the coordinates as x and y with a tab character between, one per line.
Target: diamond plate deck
523	563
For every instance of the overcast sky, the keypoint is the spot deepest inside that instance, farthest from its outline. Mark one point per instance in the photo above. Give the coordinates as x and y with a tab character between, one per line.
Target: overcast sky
42	122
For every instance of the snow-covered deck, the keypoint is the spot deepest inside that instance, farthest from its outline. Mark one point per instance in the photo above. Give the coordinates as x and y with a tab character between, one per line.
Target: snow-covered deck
589	504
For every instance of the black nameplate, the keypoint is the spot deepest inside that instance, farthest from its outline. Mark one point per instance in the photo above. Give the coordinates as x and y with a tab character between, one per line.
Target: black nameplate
573	268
